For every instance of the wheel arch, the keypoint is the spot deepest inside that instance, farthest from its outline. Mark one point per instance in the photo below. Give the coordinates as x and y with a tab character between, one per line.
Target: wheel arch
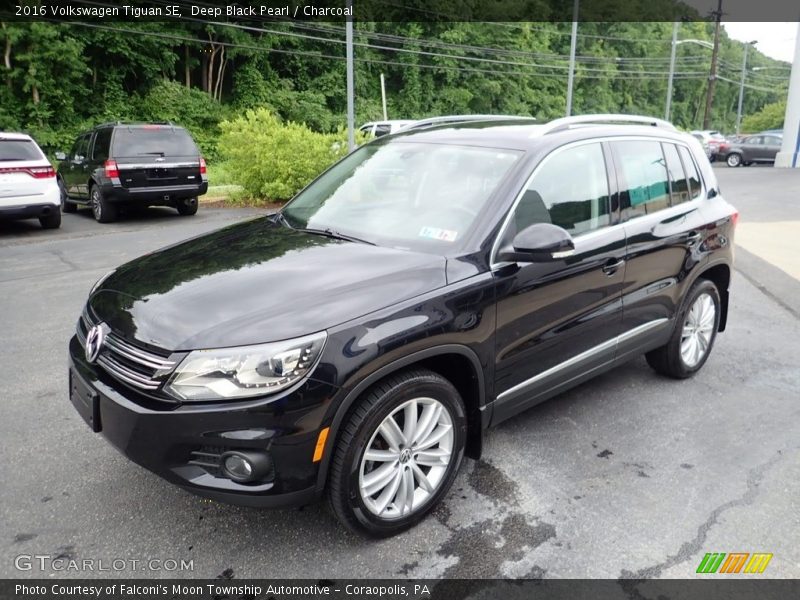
456	363
719	274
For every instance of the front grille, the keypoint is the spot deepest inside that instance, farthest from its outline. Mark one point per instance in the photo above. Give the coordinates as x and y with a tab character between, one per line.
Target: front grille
132	365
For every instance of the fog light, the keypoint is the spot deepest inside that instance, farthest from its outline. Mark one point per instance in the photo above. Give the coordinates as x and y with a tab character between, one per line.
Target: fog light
238	467
245	466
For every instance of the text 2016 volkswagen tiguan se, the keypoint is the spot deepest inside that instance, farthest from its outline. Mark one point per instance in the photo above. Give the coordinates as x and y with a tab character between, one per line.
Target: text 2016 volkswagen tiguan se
425	287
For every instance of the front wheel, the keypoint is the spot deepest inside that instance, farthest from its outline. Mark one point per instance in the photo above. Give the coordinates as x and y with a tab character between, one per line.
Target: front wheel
734	160
694	335
66	205
398	453
187	207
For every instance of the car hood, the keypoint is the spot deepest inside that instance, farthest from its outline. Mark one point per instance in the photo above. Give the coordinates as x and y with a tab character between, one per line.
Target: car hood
256	282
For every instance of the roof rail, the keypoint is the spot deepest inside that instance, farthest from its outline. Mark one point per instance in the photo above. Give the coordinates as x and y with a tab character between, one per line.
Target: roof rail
109	124
567	122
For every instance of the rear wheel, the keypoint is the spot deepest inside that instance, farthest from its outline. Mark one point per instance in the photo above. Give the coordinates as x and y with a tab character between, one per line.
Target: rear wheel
398	453
694	335
66	205
734	159
187	206
51	221
103	210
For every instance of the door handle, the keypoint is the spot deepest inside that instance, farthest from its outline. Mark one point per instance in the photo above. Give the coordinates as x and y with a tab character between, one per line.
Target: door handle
612	267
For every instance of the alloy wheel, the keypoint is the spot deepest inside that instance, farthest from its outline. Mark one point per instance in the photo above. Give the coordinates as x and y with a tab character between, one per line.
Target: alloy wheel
97	207
698	329
407	458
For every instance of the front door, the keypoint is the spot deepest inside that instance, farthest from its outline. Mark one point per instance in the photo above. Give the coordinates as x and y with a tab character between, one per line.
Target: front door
557	321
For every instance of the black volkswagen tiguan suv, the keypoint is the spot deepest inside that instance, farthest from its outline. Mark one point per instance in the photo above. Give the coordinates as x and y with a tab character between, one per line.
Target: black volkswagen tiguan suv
431	284
132	164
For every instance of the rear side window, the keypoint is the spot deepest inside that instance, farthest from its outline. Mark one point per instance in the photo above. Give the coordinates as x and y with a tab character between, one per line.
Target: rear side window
19	150
555	195
692	175
643	185
153	140
102	144
678	183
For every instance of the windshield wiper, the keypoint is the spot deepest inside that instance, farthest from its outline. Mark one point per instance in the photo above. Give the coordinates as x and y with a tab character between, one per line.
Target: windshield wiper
332	233
158	153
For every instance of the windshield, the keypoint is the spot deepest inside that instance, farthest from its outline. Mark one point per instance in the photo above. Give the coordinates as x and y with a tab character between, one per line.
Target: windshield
153	140
418	196
19	150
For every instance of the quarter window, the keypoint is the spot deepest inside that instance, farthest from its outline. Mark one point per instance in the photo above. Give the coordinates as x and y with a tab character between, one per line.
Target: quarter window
678	183
569	190
102	143
644	187
691	172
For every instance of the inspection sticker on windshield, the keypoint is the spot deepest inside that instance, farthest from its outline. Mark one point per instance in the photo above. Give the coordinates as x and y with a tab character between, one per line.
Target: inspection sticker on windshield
434	233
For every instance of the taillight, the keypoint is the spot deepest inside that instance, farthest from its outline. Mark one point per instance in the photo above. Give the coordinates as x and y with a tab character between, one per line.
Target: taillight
35	172
202	166
735	218
112	171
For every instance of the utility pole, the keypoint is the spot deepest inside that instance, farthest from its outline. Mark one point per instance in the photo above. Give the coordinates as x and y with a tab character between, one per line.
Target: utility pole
351	136
712	78
383	98
572	47
741	86
671	68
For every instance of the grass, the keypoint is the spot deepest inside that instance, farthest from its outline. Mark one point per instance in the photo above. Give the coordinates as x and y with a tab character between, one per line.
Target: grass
224	191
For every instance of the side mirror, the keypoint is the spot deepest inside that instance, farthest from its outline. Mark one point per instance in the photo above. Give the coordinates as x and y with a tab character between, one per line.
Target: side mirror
61	156
540	242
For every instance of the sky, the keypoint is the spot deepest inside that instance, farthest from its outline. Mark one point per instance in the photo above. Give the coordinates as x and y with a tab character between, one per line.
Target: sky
776	40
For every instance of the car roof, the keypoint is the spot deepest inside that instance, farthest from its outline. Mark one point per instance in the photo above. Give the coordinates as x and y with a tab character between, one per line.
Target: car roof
7	135
515	134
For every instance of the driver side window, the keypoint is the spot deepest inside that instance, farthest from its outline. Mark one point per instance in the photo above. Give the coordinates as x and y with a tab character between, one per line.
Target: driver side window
570	190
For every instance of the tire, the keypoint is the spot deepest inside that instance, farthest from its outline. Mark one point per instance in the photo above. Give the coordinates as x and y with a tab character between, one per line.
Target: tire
676	358
425	393
66	205
103	210
734	159
51	221
187	207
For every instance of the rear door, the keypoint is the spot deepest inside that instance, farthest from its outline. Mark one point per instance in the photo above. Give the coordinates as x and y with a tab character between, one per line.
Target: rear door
772	145
660	201
155	157
24	172
556	321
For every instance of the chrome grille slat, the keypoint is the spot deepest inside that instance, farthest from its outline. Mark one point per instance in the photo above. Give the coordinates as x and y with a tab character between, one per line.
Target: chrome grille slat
125	374
130	364
136	355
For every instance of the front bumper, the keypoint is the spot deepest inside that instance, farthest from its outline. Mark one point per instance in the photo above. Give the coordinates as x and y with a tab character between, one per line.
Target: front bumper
165	438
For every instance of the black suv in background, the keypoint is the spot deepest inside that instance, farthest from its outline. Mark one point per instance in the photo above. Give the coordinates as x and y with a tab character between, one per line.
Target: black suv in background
428	285
143	164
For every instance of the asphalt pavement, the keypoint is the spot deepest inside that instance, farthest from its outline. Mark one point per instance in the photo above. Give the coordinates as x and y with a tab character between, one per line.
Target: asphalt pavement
628	476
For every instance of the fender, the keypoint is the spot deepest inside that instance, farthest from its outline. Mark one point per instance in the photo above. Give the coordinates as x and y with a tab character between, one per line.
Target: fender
353	394
723	294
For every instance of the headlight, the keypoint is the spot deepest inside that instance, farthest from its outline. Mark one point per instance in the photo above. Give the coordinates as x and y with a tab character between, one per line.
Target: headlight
246	371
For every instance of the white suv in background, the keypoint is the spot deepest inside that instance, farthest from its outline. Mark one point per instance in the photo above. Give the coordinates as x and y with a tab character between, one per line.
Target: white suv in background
28	187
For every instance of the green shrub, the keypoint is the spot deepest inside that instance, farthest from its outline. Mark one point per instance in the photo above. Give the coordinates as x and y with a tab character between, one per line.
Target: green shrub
274	160
190	108
769	117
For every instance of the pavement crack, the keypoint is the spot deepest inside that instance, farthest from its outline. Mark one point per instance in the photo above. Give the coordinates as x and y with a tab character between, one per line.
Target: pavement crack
60	255
629	580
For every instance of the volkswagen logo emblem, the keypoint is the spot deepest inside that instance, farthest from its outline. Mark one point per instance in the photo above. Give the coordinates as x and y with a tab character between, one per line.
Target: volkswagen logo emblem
94	342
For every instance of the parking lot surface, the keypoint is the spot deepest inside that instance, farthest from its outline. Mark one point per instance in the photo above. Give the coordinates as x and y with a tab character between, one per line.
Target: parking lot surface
630	475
